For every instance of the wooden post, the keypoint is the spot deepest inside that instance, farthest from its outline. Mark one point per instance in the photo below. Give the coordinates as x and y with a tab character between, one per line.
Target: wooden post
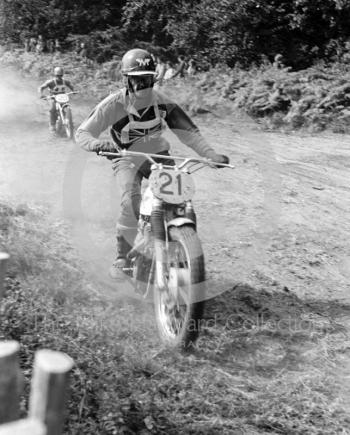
9	381
23	427
3	261
48	389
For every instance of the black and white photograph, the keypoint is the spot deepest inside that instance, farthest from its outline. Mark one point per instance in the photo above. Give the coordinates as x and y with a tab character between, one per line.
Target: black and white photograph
174	217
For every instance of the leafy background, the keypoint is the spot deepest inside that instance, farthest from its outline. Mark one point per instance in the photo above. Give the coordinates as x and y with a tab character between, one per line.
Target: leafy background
229	31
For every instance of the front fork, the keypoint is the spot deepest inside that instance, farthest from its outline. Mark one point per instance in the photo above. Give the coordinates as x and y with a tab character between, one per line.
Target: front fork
59	109
159	234
159	231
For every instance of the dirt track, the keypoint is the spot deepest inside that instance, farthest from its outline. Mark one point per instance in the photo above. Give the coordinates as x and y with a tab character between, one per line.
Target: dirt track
280	219
278	222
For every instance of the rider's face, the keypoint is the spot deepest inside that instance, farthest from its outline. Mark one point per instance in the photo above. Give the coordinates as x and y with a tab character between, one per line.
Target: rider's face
141	85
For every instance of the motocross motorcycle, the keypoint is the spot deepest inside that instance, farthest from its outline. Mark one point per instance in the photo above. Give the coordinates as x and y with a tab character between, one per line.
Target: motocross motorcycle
64	120
167	257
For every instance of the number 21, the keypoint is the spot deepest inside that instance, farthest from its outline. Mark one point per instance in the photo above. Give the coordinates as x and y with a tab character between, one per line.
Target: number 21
168	182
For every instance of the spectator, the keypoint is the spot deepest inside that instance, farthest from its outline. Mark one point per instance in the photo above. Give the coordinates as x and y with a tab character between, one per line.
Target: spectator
50	45
83	51
160	70
77	46
170	71
181	67
26	43
32	44
278	61
39	48
58	47
192	67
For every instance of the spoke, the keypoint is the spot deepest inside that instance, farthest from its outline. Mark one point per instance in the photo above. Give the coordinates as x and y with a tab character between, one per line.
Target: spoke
176	301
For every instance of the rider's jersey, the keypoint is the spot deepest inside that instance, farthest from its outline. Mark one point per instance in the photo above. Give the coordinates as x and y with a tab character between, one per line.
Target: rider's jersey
145	128
57	86
141	130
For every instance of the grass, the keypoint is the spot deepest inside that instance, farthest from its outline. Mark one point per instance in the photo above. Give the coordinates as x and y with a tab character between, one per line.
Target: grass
266	362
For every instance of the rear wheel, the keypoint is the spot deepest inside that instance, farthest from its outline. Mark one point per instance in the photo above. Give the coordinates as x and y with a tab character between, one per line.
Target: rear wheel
179	308
68	123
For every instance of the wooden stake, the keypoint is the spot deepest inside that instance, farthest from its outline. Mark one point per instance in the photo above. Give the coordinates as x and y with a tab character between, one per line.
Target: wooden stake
9	381
48	389
23	427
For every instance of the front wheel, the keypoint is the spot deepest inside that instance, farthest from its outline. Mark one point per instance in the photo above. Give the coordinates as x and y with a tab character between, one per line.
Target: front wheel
59	125
68	123
179	307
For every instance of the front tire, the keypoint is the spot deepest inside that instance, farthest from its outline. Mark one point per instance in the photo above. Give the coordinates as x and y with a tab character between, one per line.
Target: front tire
179	308
68	123
58	125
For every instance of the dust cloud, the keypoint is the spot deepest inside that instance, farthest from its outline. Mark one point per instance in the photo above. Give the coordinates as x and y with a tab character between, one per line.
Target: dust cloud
53	172
18	99
78	186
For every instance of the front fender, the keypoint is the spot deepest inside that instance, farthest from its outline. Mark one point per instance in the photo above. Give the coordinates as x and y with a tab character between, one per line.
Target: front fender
179	222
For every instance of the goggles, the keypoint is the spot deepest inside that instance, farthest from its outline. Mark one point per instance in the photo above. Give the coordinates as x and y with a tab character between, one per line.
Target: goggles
139	82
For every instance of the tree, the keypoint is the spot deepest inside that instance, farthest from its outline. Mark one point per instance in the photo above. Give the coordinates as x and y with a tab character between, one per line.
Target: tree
57	18
228	31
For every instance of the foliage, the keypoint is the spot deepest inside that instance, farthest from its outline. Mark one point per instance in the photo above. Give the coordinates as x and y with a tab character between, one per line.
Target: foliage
101	45
242	31
57	18
316	98
229	31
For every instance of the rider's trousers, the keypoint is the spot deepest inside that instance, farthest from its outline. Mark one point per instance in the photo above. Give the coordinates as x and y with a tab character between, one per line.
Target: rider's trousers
129	175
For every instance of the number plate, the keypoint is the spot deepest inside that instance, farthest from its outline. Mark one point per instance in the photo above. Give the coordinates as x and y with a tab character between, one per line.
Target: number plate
172	186
62	98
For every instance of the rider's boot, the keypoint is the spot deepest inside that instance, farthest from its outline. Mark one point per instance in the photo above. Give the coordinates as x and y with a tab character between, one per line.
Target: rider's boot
116	271
125	239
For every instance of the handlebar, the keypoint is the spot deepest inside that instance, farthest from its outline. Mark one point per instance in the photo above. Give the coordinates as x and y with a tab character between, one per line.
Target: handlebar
185	160
47	97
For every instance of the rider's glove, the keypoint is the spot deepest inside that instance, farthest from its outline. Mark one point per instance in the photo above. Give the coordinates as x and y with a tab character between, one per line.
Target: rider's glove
104	145
221	158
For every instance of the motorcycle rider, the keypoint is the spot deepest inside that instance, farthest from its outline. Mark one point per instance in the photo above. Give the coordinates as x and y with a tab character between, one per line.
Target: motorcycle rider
136	116
56	85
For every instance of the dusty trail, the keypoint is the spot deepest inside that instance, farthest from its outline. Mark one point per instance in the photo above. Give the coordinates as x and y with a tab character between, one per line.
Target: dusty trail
279	222
281	218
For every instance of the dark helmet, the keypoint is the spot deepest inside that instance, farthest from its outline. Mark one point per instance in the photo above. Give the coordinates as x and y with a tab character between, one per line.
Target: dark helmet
137	62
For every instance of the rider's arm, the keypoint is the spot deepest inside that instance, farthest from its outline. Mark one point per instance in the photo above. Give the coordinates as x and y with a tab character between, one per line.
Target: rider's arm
105	114
188	132
43	87
69	85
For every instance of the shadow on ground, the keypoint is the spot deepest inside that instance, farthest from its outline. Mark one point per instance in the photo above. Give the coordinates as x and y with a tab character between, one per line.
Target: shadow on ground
266	332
